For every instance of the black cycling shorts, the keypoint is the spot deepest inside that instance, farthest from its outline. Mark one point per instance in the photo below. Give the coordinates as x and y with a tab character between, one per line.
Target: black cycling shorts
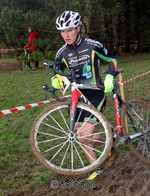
98	100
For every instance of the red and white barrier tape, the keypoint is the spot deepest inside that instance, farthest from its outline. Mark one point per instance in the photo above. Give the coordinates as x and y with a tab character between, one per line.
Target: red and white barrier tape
138	76
20	108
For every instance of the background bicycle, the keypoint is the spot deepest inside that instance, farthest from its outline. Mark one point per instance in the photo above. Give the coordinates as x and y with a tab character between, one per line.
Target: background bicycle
27	60
55	141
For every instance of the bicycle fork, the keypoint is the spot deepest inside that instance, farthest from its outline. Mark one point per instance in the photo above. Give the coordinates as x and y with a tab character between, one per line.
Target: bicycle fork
73	109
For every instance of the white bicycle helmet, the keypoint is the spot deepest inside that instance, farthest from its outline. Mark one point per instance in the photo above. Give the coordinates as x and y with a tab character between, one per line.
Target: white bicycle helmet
68	19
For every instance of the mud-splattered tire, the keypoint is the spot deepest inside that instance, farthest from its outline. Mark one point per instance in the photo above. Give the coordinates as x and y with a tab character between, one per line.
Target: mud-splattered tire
62	153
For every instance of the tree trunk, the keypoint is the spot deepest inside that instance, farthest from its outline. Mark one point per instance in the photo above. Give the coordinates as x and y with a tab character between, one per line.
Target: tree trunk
127	25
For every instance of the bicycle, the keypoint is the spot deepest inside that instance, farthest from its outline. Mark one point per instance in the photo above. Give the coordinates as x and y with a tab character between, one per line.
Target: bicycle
54	137
25	61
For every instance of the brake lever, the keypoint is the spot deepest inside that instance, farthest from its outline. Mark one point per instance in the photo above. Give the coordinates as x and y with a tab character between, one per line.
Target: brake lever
47	89
47	64
52	91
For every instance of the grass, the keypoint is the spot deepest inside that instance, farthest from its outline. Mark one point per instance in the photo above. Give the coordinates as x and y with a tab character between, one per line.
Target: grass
19	169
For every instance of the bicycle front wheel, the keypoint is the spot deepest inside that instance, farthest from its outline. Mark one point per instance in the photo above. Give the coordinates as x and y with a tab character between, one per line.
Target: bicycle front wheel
64	151
136	126
23	65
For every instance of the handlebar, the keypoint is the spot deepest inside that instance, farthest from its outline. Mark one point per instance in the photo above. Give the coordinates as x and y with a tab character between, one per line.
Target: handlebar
116	73
52	91
56	68
48	64
72	75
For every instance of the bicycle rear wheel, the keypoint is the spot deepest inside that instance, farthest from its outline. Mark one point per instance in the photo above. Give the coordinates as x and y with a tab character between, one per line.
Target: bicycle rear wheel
24	65
137	115
60	151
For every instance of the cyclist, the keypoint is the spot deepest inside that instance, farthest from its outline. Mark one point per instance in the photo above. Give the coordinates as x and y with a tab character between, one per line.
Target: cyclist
31	45
85	55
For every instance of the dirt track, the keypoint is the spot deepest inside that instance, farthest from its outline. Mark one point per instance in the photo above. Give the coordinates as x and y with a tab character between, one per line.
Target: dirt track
128	177
9	66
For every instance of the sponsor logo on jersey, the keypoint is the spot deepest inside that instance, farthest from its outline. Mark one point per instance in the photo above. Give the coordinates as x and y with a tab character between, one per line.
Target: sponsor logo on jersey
81	58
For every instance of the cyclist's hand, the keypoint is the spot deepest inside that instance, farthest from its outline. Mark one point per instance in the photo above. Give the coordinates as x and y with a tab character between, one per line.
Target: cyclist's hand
55	82
109	83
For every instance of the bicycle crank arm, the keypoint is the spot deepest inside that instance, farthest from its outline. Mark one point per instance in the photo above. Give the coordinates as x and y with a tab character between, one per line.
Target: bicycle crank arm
121	140
136	135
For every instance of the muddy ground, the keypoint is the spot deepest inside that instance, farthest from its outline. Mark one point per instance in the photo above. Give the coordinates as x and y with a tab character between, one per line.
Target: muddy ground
127	177
9	66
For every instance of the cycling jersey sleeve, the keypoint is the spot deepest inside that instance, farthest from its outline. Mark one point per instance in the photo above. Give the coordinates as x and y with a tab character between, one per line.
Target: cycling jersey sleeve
112	66
107	56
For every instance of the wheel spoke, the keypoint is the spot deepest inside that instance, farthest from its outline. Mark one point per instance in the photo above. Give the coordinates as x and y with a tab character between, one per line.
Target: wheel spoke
65	155
94	149
138	129
72	157
50	140
61	128
79	156
62	145
145	148
81	145
64	120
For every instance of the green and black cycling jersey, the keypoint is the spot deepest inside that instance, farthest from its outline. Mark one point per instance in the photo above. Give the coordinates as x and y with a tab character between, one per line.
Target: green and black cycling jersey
85	56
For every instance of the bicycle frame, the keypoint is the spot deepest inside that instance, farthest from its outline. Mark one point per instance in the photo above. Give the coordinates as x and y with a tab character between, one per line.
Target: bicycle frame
76	94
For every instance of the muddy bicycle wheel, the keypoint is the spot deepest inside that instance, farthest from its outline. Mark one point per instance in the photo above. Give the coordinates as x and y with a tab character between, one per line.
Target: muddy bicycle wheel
60	151
24	65
137	115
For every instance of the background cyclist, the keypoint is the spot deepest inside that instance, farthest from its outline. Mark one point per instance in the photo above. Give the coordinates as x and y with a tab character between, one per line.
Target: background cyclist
31	46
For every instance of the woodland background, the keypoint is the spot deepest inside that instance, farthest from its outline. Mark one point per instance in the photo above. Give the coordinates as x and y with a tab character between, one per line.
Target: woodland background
121	25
